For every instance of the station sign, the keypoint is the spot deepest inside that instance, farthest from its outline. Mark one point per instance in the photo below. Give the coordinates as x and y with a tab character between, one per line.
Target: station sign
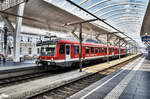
146	38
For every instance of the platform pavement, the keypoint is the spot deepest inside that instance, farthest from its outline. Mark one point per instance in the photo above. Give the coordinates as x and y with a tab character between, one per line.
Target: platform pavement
11	65
31	88
130	82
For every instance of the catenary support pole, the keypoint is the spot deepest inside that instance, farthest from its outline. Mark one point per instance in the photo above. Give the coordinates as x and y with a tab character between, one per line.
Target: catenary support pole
119	48
80	48
17	33
107	48
129	48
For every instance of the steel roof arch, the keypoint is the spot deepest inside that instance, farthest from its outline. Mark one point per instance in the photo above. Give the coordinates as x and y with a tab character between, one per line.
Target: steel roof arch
112	15
117	17
113	5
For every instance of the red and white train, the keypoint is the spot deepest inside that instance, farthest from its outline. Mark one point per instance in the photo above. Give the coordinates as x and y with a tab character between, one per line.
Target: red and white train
65	53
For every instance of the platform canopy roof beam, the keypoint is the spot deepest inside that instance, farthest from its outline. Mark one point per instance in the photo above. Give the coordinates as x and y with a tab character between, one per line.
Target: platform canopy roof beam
80	22
78	6
47	20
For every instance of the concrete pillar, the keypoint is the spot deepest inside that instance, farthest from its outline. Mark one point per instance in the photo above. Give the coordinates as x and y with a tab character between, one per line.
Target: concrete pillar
80	48
17	33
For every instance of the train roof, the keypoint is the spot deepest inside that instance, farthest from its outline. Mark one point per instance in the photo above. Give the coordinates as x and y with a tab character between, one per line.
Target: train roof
84	43
72	42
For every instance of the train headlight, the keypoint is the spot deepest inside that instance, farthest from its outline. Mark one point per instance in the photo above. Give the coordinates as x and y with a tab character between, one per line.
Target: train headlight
52	59
48	63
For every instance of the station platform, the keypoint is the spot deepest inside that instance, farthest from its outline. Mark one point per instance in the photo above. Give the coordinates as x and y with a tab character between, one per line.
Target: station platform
11	65
31	88
130	82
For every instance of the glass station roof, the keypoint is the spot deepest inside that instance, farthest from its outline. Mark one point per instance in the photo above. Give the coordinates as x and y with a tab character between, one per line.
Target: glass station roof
125	15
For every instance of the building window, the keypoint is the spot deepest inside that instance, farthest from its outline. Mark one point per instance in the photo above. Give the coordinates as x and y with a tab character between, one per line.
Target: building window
21	38
62	49
30	50
76	49
29	39
20	51
9	50
38	50
87	50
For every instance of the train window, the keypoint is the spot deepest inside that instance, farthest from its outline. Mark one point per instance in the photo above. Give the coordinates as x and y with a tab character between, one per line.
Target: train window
109	50
117	50
92	49
121	50
87	50
112	49
67	49
76	49
62	49
100	50
96	50
105	50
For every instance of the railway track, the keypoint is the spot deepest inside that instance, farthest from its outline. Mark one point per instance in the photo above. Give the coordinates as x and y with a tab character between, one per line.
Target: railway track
69	89
18	76
9	81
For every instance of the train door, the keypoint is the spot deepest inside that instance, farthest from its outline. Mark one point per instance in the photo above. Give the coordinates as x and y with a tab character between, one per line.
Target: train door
68	52
113	51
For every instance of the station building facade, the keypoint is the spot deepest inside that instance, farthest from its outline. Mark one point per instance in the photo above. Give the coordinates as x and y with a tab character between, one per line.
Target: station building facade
28	46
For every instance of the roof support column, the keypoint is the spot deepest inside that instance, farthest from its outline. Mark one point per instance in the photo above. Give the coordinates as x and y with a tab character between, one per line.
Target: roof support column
17	33
80	48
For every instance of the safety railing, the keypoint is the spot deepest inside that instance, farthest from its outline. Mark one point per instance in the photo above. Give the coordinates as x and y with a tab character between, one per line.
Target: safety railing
6	4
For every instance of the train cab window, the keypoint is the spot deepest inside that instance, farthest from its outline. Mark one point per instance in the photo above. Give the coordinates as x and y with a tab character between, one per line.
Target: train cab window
62	49
92	49
87	50
100	50
76	49
96	50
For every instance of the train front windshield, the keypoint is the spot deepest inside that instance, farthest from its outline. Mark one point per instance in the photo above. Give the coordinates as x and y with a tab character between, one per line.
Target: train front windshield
48	50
